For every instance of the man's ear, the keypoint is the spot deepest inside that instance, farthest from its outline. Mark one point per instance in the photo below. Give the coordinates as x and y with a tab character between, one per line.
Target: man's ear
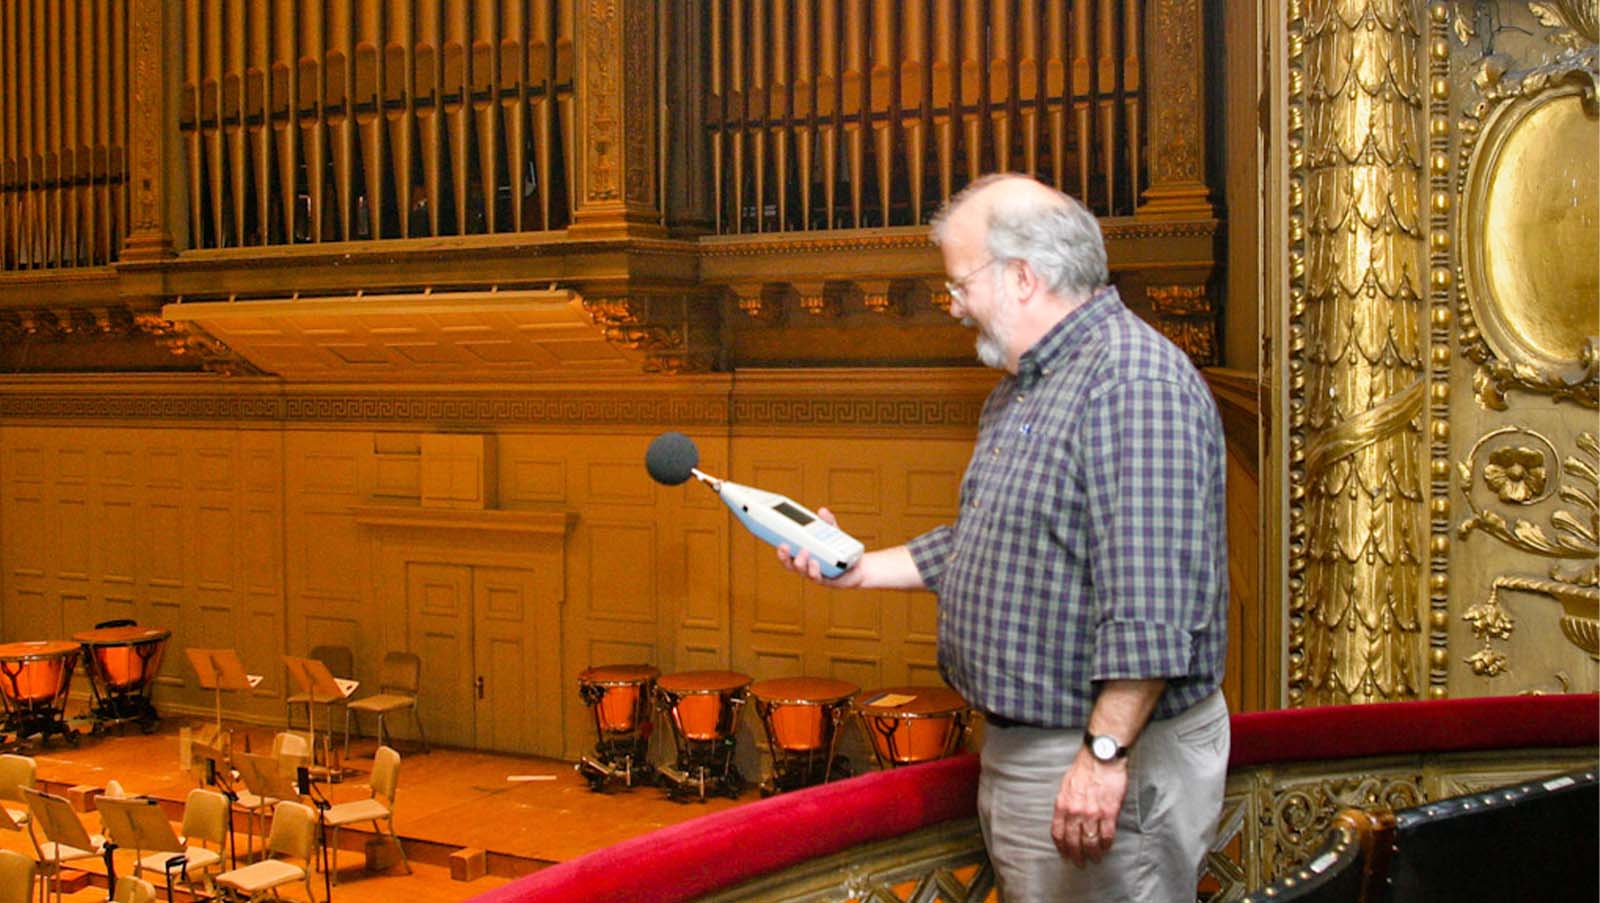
1027	281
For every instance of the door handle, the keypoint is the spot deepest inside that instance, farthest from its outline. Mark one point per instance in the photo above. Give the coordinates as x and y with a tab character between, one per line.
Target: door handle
480	686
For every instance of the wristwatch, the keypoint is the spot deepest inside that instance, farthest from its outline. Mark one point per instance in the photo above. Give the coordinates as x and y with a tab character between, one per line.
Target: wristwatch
1103	747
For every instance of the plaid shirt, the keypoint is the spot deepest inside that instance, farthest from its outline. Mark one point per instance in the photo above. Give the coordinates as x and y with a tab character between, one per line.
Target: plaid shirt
1091	542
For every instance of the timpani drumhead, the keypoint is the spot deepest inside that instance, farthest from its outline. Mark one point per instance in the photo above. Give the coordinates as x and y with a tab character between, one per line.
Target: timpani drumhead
796	709
699	697
36	671
622	691
917	730
127	656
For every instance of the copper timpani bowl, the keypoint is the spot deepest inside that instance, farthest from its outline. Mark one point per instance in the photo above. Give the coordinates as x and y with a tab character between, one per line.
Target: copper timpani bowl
798	710
929	726
621	695
38	672
126	658
701	701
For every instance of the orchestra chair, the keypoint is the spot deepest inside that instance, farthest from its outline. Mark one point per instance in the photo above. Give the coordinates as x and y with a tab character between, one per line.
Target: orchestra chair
399	681
16	877
341	663
271	780
202	843
293	836
133	890
17	772
66	839
378	807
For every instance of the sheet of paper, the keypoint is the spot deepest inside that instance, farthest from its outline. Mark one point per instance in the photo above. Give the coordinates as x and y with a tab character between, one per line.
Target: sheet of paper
255	680
524	778
346	686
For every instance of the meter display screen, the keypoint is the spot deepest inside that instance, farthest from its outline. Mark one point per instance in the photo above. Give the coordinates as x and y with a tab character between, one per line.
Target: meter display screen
793	513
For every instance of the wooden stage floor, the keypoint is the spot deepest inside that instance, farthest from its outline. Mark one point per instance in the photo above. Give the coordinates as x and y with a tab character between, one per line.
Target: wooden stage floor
448	800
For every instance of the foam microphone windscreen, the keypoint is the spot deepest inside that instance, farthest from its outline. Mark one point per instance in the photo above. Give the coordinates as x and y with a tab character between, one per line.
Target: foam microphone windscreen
671	459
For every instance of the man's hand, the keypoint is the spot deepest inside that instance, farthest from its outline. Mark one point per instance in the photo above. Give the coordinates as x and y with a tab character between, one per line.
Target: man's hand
1091	795
804	564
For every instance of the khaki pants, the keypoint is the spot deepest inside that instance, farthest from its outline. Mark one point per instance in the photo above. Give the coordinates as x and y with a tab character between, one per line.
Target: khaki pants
1176	773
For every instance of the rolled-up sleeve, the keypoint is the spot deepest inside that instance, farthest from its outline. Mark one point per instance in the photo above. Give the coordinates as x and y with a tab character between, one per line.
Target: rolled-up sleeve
1146	460
930	552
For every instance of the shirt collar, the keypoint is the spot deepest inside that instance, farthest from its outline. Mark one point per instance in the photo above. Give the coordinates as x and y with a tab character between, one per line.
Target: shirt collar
1072	332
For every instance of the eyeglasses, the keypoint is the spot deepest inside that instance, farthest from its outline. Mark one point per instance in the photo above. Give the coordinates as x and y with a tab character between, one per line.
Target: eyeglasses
958	288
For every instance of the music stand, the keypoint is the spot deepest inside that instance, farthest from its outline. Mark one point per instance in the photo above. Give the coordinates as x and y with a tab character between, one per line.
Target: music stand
265	777
218	670
316	682
138	823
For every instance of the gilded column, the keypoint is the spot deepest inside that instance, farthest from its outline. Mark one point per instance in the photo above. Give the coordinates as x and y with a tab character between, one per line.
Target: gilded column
155	186
1358	368
618	121
1176	76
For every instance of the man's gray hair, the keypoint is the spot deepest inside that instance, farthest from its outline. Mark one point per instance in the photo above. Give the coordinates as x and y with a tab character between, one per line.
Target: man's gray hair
1055	234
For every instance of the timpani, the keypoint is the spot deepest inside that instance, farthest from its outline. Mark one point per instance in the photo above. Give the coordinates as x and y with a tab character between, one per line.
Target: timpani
35	678
620	698
908	725
121	663
801	716
702	710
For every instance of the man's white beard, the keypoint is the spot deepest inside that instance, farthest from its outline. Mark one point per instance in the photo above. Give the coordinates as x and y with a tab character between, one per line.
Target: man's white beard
992	341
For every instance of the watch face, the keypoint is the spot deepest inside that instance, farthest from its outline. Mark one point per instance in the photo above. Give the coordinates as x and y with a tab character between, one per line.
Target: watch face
1104	748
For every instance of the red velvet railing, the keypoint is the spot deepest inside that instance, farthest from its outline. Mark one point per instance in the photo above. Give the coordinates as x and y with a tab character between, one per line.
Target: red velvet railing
727	848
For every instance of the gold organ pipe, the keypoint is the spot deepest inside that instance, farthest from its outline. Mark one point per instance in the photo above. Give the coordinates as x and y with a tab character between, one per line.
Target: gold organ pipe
1001	93
1081	88
514	99
338	99
1133	46
366	105
852	84
716	121
457	82
72	106
233	116
1055	88
914	98
399	105
428	80
8	134
1028	72
566	21
756	109
828	108
258	117
211	116
485	106
117	128
805	101
736	22
971	92
31	163
189	114
282	110
53	142
778	107
944	98
880	92
541	79
313	135
1106	76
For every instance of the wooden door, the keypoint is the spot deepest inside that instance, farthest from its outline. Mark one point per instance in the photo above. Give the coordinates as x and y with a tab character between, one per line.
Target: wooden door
513	714
440	600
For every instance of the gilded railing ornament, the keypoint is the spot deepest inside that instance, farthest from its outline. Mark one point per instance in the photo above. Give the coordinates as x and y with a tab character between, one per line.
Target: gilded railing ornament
1358	353
1522	475
1528	230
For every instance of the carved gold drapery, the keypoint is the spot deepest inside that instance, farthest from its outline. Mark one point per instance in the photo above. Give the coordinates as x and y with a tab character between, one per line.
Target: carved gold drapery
1358	364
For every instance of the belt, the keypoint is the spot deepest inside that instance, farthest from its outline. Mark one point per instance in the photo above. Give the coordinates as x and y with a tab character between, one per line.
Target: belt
1003	722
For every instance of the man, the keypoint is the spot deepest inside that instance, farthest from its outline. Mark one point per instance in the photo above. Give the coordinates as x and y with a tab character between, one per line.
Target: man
1083	586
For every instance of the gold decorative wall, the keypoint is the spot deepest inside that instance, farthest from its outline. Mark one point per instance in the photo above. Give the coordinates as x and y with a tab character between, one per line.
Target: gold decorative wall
1444	239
